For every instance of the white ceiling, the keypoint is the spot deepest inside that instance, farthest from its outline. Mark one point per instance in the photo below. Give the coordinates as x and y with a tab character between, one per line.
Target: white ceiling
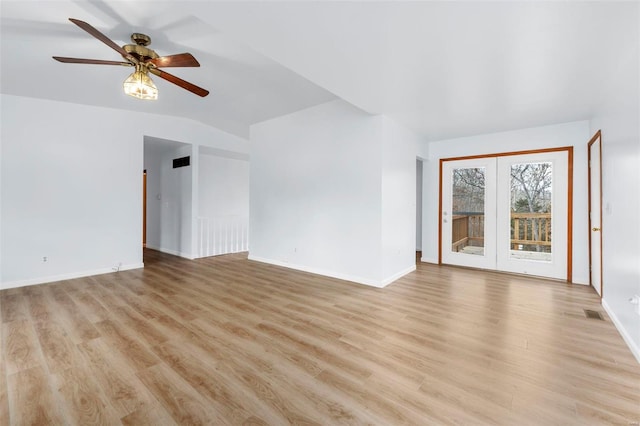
443	69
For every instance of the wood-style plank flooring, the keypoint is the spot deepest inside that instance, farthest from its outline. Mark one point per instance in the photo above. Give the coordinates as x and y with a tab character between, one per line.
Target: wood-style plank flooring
224	340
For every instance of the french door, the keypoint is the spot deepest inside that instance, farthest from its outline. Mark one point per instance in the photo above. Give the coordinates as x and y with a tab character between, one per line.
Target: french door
469	212
508	213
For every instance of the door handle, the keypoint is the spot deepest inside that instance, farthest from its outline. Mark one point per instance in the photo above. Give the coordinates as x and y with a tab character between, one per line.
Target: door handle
595	229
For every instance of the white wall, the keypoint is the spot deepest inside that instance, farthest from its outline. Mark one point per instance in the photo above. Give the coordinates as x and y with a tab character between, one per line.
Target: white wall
399	148
177	205
71	191
153	166
575	134
223	205
227	183
315	191
1	137
333	192
71	185
618	119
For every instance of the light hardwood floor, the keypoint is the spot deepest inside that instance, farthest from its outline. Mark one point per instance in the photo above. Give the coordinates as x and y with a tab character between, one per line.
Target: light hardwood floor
228	341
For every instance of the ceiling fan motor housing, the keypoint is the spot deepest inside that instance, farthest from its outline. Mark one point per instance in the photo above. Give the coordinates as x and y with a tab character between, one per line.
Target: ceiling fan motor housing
139	49
141	39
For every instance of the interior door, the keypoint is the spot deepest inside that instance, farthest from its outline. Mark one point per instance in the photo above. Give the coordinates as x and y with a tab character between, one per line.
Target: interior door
144	209
595	212
532	214
468	213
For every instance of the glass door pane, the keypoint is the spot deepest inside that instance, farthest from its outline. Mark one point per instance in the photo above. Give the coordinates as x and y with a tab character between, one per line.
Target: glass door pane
531	202
508	213
467	212
468	216
532	214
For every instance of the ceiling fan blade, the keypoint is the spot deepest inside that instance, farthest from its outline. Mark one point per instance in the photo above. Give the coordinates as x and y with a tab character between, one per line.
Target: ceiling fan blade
179	60
180	82
103	38
90	61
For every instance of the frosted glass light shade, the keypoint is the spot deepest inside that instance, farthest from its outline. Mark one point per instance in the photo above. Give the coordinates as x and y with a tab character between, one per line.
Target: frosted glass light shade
139	85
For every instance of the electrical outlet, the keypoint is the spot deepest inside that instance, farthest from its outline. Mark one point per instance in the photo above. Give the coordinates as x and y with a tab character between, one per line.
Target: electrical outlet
45	258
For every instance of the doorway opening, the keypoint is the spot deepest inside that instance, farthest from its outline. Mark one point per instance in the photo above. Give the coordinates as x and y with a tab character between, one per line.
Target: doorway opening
167	199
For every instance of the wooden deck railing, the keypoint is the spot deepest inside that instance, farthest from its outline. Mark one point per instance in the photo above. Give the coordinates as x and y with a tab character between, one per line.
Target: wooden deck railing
468	230
526	229
530	229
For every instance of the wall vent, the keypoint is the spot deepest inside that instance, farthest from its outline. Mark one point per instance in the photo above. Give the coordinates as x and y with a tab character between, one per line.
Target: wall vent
181	162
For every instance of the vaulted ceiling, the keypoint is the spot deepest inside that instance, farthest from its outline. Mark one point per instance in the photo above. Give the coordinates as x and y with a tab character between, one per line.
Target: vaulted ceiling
443	69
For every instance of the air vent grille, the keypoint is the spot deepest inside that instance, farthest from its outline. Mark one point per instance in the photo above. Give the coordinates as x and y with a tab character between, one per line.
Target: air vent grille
589	313
181	162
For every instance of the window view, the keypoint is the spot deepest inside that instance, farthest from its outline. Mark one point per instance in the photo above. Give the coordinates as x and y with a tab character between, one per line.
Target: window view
468	193
531	189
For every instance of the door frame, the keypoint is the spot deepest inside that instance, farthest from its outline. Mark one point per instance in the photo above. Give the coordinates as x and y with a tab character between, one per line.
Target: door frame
596	138
568	149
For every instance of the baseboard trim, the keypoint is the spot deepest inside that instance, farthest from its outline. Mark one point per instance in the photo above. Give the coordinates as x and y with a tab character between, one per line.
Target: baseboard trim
580	280
333	274
318	271
172	252
429	260
635	350
397	276
70	276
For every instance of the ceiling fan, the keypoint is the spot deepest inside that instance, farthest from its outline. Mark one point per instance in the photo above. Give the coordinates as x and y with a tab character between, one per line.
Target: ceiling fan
144	59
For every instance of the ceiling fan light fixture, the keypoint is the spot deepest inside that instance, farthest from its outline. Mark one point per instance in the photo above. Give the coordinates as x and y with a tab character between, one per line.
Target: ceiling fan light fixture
139	85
